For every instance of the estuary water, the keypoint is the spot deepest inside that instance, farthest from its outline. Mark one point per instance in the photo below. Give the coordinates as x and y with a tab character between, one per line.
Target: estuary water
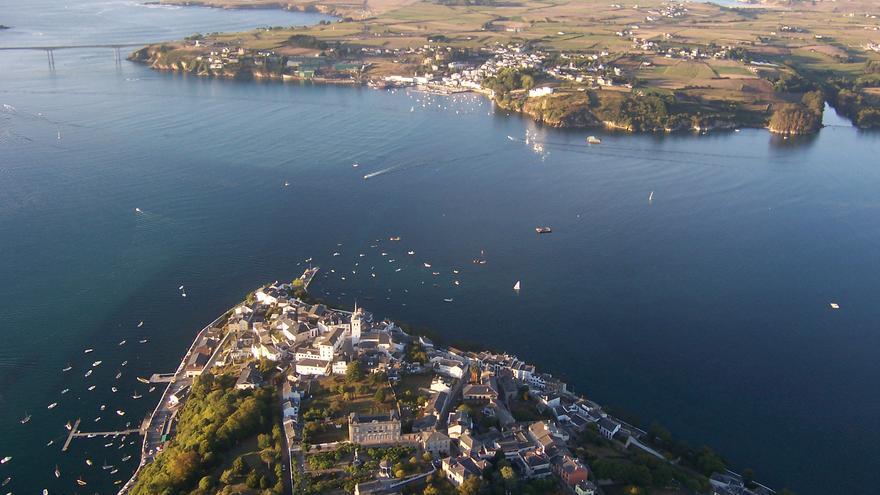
706	309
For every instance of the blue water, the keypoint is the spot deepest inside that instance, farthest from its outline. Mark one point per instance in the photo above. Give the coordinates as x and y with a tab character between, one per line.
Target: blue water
706	310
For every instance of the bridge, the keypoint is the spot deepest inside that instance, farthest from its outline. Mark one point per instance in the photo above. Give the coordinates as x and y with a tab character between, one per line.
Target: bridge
51	49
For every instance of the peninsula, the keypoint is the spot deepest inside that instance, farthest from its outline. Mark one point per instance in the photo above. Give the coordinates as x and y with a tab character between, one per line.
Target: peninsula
282	394
652	66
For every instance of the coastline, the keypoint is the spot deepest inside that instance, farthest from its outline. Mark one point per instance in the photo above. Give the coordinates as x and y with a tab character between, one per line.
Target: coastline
569	419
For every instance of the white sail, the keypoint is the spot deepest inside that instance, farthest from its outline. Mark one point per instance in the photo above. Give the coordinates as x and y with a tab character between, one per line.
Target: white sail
516	286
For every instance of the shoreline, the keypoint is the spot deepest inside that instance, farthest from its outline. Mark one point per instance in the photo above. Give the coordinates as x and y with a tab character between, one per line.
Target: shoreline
444	360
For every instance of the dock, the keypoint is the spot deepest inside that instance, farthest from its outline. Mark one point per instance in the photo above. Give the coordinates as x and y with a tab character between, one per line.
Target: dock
308	276
75	433
162	378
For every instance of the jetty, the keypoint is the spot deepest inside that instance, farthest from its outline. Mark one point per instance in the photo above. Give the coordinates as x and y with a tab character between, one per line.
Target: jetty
75	433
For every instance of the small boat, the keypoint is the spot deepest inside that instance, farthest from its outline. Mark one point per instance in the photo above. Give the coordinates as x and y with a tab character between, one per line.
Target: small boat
448	299
124	362
5	459
91	387
355	164
395	238
114	389
103	406
138	210
121	342
119	412
52	405
68	426
97	419
410	253
87	351
80	482
68	368
651	197
435	273
65	391
456	282
25	419
516	286
143	380
88	462
88	373
49	443
543	230
140	323
510	138
427	265
6	481
151	389
399	269
593	140
455	272
126	458
57	471
144	341
114	472
183	294
97	363
286	184
118	375
336	253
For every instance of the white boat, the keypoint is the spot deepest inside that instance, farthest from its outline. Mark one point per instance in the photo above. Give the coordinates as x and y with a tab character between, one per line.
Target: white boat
593	140
88	373
114	389
126	458
184	294
5	459
57	471
26	418
97	363
151	389
140	324
88	462
143	380
118	375
122	342
6	481
91	388
124	362
138	210
136	396
449	299
121	413
68	368
516	286
68	426
355	164
410	253
65	391
427	265
144	341
52	405
286	184
87	351
103	406
651	197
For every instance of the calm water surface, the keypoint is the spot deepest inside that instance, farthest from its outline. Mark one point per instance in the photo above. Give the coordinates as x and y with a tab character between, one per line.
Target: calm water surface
706	310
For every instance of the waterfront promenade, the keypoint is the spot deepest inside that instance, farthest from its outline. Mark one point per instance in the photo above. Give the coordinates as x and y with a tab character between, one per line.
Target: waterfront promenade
158	425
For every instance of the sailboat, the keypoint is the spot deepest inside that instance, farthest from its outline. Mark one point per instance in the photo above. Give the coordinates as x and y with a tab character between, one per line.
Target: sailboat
516	286
57	471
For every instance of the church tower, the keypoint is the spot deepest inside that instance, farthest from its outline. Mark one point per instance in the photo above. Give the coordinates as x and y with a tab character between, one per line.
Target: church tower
357	322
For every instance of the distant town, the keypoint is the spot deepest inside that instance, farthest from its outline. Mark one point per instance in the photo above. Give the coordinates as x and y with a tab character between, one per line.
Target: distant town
654	66
302	398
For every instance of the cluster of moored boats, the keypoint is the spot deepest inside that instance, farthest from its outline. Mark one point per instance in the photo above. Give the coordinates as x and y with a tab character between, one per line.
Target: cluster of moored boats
120	440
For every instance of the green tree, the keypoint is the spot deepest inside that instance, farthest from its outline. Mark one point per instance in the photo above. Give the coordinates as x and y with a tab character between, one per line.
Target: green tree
353	372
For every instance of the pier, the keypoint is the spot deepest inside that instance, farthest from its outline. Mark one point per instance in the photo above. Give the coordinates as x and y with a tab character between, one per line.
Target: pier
75	433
